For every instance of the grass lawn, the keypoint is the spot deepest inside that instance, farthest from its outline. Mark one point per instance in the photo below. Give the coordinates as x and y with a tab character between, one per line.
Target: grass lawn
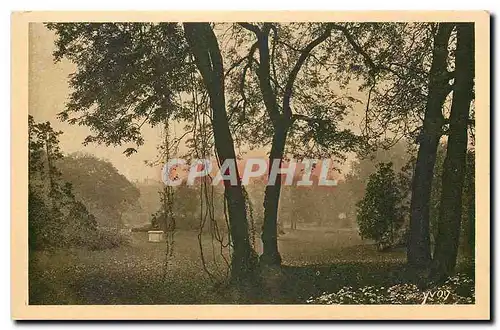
314	260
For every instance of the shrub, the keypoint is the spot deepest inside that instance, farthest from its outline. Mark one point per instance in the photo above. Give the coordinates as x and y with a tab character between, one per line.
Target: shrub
379	214
106	239
142	229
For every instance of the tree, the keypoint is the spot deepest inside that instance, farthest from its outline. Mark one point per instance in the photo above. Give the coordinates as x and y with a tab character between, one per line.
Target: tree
208	59
379	215
428	81
55	217
365	164
468	200
43	230
98	184
454	167
406	76
130	74
412	74
149	202
277	81
187	206
45	217
468	232
418	253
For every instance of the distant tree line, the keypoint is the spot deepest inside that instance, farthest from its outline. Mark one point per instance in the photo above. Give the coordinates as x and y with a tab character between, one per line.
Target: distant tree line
74	200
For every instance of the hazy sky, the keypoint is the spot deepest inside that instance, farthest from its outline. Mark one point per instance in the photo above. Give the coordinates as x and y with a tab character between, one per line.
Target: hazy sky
48	92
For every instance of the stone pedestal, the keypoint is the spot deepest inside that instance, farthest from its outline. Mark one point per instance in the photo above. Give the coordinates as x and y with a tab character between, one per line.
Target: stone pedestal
155	236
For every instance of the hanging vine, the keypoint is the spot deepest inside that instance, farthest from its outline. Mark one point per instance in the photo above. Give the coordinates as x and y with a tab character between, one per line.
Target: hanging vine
250	217
164	218
216	262
167	199
204	149
221	245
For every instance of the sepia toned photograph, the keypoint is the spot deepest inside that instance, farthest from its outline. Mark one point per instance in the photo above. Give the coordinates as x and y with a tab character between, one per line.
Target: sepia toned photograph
273	165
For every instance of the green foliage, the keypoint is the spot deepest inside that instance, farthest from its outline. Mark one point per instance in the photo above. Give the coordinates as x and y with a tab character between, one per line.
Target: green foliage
43	231
98	184
164	218
354	185
106	239
378	213
185	206
318	110
127	74
56	218
458	289
393	69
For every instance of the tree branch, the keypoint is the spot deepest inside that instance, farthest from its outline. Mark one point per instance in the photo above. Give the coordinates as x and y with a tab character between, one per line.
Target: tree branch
263	71
238	63
310	120
350	38
250	27
298	65
274	76
373	67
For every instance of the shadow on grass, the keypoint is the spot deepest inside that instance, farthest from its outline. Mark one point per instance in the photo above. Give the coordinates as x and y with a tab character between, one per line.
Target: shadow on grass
297	284
303	282
82	279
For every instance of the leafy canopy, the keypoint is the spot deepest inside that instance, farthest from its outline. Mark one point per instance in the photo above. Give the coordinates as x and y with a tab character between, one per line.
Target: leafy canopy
127	74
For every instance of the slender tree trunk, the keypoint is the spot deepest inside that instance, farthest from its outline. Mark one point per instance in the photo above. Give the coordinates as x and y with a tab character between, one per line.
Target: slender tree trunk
470	228
281	121
270	255
50	172
450	212
205	49
418	250
470	238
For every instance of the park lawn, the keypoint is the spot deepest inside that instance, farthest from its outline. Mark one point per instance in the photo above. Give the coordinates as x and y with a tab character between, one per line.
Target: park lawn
315	260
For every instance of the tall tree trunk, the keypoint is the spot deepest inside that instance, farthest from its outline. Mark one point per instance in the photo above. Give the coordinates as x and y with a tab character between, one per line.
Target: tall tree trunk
281	121
418	250
270	255
205	49
49	172
450	212
470	206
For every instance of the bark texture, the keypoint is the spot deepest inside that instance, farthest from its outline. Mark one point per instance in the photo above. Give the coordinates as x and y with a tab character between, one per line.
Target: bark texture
418	249
205	49
450	212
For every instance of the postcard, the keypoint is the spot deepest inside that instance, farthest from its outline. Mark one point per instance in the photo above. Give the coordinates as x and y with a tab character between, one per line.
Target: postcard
250	165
